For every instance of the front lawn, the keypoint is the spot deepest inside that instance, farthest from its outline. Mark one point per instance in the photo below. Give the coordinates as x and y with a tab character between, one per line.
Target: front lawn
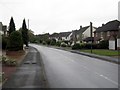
102	52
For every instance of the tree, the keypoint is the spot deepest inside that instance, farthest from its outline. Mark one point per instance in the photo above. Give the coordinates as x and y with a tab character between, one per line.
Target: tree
25	33
11	26
15	42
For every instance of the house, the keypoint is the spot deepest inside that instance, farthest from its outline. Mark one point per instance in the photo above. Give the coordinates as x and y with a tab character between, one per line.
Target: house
82	35
65	36
118	39
108	31
54	36
3	29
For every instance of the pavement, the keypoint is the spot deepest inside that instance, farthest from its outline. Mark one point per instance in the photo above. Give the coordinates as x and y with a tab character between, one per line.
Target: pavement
30	73
64	69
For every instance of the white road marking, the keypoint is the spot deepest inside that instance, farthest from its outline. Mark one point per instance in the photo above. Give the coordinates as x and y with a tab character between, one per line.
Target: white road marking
106	78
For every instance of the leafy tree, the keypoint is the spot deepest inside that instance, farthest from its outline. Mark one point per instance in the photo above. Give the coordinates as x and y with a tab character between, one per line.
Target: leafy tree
25	33
11	26
32	37
15	42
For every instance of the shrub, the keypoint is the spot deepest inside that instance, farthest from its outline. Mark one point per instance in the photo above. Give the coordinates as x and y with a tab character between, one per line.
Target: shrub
63	44
76	46
53	42
2	76
11	62
4	42
87	46
104	44
15	42
48	41
8	62
58	43
44	43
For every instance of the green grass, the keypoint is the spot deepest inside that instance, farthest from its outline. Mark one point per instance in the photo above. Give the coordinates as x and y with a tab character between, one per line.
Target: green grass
102	52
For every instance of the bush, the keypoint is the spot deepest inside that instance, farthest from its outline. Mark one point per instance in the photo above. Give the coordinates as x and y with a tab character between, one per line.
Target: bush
48	41
15	42
63	44
4	42
87	46
44	43
53	42
58	43
104	44
8	62
76	46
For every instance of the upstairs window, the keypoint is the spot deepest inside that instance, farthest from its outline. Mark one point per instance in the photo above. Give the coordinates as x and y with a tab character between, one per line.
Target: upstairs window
108	33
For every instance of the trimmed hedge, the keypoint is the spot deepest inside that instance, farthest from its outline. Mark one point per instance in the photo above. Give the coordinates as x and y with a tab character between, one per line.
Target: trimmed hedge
76	46
102	45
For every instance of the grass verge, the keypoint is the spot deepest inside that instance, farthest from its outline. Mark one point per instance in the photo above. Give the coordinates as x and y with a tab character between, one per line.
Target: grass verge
102	52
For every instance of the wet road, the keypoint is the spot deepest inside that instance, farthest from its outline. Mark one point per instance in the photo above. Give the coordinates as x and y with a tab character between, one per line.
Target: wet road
29	73
69	70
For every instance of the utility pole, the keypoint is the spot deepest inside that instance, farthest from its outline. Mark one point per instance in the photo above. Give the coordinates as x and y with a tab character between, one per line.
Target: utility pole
91	35
28	24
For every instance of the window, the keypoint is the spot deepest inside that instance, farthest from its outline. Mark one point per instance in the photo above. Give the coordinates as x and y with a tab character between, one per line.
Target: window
101	34
108	33
96	34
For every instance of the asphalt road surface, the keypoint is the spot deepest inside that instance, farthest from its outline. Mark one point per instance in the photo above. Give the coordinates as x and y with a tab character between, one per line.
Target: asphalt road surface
69	70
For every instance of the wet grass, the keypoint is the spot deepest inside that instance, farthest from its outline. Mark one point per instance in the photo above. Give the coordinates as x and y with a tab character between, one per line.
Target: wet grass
102	52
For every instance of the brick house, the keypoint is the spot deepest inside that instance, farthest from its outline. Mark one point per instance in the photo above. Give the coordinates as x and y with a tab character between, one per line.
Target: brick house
108	31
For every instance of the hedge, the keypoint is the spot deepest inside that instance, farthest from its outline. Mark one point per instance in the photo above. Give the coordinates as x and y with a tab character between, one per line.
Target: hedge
15	42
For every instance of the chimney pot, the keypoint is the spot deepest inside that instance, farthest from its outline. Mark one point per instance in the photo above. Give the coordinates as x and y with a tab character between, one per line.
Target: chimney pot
80	27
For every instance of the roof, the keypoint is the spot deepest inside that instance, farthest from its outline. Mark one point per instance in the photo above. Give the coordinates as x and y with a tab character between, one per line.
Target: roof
64	34
80	30
54	35
110	26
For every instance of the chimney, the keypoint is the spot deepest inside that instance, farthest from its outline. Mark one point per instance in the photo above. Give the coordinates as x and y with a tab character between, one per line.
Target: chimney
103	25
80	27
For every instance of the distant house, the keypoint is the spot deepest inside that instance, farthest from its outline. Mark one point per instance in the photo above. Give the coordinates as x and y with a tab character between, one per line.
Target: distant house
118	39
1	32
65	36
54	36
108	31
82	35
3	29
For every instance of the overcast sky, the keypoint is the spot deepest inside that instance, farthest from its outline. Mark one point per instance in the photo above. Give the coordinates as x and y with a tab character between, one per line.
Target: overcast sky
58	15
